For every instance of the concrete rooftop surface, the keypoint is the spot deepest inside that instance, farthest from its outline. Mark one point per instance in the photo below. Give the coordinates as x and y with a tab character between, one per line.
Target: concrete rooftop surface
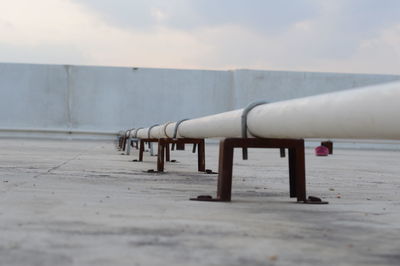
83	203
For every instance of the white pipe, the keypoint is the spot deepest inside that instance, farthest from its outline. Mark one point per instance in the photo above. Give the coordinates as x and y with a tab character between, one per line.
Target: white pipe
133	133
162	131
366	113
226	124
143	133
170	130
370	113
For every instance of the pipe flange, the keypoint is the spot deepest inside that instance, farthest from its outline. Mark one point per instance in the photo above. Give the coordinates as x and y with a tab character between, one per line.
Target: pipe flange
165	128
136	131
129	132
148	132
245	112
177	126
176	131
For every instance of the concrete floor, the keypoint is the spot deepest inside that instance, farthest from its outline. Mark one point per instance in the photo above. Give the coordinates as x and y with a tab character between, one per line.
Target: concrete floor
83	203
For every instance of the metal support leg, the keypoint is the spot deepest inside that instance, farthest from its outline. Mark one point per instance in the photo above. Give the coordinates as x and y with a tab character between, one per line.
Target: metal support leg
136	144
124	143
201	156
167	152
180	146
160	157
165	149
120	140
225	166
300	172
141	150
292	172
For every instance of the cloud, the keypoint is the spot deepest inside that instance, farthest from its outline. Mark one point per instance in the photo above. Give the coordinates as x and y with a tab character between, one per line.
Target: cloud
264	15
29	34
314	35
379	54
68	34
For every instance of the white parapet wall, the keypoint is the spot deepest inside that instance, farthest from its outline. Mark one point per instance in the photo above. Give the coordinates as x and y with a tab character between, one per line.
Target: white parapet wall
97	102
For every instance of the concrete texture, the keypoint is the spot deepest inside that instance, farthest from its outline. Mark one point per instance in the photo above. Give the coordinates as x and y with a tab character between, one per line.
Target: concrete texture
89	99
83	203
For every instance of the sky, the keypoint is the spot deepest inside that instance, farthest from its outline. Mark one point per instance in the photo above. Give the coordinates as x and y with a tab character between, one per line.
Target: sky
351	36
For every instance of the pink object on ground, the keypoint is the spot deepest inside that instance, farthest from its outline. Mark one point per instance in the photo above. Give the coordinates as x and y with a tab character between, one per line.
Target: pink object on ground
321	151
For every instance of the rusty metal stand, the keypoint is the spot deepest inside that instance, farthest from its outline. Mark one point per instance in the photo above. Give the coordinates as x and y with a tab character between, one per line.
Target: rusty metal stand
123	142
164	151
142	145
297	178
120	142
163	146
167	153
131	143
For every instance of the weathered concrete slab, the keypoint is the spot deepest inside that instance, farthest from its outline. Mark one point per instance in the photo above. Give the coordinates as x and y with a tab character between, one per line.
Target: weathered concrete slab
82	203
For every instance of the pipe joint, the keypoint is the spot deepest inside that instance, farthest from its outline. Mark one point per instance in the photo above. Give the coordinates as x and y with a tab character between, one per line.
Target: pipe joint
244	123
176	131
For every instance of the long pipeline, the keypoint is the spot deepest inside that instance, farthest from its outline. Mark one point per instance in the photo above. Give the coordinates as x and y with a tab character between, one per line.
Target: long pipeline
371	112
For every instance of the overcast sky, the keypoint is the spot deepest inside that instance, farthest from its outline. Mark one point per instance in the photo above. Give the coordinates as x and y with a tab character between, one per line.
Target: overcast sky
360	36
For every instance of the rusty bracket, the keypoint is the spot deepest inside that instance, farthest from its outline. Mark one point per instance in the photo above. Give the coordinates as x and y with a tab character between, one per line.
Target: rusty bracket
151	143
136	131
179	146
123	141
120	141
163	147
142	143
245	112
